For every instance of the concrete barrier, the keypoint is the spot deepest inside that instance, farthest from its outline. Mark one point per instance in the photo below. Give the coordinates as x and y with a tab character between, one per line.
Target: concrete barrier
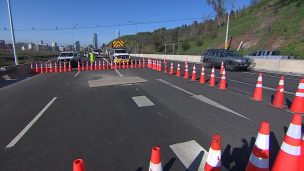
279	65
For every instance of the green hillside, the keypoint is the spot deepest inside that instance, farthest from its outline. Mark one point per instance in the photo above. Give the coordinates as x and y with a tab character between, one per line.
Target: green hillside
269	24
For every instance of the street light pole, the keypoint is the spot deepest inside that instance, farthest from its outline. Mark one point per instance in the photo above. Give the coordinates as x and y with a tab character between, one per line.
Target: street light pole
12	31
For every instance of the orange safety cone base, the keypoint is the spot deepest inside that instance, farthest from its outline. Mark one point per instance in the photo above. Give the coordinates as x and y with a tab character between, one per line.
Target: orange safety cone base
292	164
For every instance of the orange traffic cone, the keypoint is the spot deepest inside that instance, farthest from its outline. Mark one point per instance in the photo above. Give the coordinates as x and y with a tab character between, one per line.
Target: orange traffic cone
60	67
166	67
70	68
95	66
51	67
193	78
259	158
131	63
298	101
32	69
223	83
37	68
139	64
41	68
213	162
222	68
78	67
258	92
178	70
64	67
56	69
302	153
103	65
155	161
91	66
212	78
78	165
171	69
99	65
290	152
186	75
149	63
136	65
144	63
87	66
82	66
278	100
160	66
46	67
202	79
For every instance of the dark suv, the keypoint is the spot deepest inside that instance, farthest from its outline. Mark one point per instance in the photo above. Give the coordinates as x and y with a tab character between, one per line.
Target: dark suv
232	60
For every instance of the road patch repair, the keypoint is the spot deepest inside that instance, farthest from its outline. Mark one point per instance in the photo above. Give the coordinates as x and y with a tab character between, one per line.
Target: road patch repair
142	101
115	81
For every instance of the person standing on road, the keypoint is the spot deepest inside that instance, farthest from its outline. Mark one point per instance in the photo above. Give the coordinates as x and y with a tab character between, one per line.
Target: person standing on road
92	57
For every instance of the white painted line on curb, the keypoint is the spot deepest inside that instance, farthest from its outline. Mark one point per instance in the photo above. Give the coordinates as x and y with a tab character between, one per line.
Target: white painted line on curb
118	73
191	154
142	101
28	126
76	74
215	104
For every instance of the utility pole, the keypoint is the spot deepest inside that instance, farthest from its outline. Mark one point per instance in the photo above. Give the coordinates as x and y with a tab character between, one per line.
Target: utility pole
12	31
227	31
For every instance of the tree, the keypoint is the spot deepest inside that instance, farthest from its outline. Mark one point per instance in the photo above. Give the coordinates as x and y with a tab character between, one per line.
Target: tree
218	7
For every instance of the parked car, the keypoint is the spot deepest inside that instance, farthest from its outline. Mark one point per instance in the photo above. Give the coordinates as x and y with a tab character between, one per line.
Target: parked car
232	59
268	54
66	57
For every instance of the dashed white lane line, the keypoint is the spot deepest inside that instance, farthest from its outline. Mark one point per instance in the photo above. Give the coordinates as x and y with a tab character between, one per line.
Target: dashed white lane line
142	101
28	126
77	74
205	100
118	73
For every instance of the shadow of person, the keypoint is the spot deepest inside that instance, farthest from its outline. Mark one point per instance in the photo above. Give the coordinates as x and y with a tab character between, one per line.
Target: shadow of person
169	164
196	162
288	103
274	148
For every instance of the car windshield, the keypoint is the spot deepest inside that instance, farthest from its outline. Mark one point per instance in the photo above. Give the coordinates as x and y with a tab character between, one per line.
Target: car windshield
66	54
231	54
120	51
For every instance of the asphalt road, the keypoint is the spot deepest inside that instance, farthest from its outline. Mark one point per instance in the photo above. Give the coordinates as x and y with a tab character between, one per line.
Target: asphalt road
49	120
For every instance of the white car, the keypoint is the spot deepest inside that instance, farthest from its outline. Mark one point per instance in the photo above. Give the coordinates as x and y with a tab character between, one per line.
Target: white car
68	57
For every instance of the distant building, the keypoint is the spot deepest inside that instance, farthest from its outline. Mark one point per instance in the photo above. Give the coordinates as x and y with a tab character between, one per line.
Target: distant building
54	46
77	46
69	48
61	48
42	48
95	41
31	46
118	34
24	48
41	42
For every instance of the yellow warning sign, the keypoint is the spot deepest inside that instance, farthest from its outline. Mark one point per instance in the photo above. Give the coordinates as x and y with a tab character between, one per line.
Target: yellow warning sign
118	44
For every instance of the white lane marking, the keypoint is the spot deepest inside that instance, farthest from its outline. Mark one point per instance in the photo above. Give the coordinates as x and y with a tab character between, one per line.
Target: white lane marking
215	104
273	76
105	60
28	126
191	154
76	74
174	86
205	100
142	101
118	73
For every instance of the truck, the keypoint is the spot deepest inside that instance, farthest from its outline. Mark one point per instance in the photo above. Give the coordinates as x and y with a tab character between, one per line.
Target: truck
118	52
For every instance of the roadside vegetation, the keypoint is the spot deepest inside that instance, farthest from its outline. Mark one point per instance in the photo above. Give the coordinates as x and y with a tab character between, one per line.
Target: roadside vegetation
265	24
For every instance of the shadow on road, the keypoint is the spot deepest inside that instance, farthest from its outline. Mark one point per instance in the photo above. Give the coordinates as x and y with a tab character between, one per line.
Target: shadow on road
196	163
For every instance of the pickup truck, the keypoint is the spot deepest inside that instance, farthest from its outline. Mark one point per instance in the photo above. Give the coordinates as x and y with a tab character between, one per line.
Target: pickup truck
267	54
66	57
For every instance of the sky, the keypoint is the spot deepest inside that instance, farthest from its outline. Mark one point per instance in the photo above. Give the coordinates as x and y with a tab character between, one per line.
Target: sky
120	15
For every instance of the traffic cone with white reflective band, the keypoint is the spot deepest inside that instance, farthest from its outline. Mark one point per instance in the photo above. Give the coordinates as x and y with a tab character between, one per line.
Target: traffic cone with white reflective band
41	68
160	66
278	100
64	67
99	65
222	68
171	69
132	64
144	63
51	67
37	68
82	66
139	63
91	66
153	64
186	75
123	65
298	101
78	165
212	78
55	68
202	78
193	78
78	67
87	66
155	161
70	68
166	67
178	70
259	158
213	162
60	67
95	66
258	92
223	82
289	155
46	68
103	65
32	68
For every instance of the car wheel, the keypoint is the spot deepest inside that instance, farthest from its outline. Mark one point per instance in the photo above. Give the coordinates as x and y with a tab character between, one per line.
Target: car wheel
208	64
231	66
